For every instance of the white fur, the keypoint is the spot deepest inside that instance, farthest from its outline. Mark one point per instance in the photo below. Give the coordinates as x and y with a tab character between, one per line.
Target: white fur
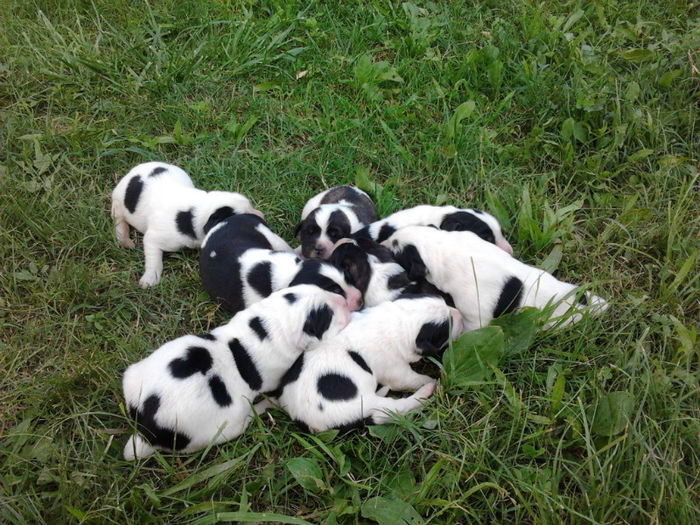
426	215
187	405
315	201
385	338
474	271
161	199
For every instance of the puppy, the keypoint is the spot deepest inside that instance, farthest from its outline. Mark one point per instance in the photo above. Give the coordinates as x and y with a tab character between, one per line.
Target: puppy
239	265
197	390
160	201
446	218
371	268
330	216
335	385
483	280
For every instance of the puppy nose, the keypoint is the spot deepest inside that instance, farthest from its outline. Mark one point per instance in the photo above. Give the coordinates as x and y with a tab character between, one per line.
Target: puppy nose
457	321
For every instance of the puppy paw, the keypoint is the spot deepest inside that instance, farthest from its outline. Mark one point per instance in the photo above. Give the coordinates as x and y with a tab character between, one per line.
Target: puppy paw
127	243
426	390
149	279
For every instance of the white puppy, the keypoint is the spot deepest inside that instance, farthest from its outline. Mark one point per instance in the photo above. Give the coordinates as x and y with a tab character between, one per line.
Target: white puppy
335	385
197	390
448	218
484	281
160	201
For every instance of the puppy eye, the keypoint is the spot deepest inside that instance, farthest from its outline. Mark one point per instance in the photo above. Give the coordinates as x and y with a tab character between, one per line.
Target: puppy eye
312	229
334	288
335	233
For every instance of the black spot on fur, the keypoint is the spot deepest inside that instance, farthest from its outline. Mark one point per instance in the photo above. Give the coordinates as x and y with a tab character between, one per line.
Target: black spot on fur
336	387
151	431
424	288
303	426
246	366
354	425
385	232
510	297
208	337
133	193
433	337
157	171
290	297
219	391
183	221
352	260
317	321
398	281
361	204
582	299
464	221
360	361
256	325
198	359
338	226
260	278
320	407
409	258
220	214
289	376
310	273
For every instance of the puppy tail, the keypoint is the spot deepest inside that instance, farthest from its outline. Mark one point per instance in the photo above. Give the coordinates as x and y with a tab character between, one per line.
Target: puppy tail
121	227
137	447
383	407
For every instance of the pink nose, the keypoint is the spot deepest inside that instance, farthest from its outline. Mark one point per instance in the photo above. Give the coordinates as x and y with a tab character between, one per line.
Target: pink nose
505	246
354	298
457	322
258	213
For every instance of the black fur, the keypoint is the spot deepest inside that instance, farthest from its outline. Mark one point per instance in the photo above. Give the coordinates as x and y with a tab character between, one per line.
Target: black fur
290	297
246	366
219	215
360	361
219	391
318	320
207	337
511	295
352	260
464	221
433	337
361	204
198	359
310	273
289	376
157	171
338	226
151	431
257	326
409	258
336	387
184	223
260	278
385	232
133	193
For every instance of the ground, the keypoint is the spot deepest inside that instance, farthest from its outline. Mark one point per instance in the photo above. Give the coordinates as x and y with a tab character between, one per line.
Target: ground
575	123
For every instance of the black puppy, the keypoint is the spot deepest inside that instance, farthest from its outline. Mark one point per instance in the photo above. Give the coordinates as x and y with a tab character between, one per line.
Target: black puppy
242	261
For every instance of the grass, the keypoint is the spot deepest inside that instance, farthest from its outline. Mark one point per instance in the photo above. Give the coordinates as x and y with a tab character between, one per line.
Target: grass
574	122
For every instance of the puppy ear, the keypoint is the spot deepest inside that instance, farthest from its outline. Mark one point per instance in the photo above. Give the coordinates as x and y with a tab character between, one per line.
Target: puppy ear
297	229
219	215
433	337
317	321
411	261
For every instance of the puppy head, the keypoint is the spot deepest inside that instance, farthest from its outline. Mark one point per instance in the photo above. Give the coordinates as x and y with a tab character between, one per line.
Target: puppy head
325	226
312	314
371	268
329	278
479	222
223	204
434	324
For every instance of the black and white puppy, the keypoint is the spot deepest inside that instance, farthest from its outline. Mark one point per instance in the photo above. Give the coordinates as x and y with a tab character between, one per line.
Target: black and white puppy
448	218
160	201
335	385
330	216
240	263
483	280
197	390
371	268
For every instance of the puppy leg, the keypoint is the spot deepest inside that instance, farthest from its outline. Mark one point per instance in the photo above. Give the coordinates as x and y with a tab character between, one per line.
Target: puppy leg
262	406
382	407
404	378
154	262
121	227
137	447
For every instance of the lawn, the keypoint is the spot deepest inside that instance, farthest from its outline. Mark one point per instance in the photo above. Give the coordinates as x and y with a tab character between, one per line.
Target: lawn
575	123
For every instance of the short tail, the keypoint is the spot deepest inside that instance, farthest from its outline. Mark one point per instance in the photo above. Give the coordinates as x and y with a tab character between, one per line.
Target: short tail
137	447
